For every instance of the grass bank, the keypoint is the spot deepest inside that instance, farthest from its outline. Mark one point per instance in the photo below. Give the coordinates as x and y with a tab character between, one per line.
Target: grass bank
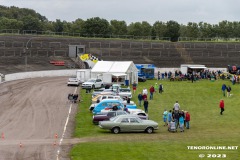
207	126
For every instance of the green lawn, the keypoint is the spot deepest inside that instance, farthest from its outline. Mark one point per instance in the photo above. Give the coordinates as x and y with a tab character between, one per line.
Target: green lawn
207	126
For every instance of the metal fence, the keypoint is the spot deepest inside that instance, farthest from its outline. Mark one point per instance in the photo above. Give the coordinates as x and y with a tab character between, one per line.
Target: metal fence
112	36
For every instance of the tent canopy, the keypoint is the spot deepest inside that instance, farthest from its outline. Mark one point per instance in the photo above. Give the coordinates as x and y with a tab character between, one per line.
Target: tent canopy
113	67
196	67
126	69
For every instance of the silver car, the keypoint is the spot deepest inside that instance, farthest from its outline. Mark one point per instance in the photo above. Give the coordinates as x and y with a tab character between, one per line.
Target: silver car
128	123
125	92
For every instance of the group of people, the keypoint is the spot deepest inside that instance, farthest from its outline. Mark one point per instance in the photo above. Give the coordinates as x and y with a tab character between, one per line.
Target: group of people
176	118
143	96
73	97
226	88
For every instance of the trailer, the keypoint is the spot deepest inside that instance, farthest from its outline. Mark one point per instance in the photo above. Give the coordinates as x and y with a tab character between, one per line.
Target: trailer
191	68
146	70
83	74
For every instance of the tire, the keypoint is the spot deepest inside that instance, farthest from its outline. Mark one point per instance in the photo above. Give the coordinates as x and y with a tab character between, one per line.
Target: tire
149	130
116	130
141	114
93	86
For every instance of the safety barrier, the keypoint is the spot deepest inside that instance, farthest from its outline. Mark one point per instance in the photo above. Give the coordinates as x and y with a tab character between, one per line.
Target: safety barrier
57	63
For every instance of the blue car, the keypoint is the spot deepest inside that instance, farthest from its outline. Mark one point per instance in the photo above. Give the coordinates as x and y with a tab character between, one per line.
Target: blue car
110	103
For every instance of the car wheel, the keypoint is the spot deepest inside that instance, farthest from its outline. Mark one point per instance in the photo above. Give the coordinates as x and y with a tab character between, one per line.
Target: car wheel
102	86
116	130
149	130
93	86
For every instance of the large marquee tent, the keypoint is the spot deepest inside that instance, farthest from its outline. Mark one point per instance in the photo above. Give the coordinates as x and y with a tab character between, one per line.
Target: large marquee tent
116	69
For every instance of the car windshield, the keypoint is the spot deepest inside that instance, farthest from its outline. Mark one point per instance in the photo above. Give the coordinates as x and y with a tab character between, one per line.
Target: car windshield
125	90
91	80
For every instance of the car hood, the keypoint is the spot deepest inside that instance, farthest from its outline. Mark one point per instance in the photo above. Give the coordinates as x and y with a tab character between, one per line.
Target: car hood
88	83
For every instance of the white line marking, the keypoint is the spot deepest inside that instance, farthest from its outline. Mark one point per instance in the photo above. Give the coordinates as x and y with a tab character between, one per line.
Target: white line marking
65	126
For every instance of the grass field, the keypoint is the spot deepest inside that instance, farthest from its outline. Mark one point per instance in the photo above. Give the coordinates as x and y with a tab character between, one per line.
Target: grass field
207	126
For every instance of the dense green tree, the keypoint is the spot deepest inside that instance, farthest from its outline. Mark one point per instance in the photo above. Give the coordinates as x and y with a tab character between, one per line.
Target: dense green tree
6	23
28	19
58	26
118	27
172	30
140	30
77	26
159	28
183	30
31	23
223	29
192	30
135	29
97	27
146	29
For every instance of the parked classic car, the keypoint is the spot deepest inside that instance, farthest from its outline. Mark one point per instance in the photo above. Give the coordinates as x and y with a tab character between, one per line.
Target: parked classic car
103	116
125	92
103	91
128	123
102	96
110	103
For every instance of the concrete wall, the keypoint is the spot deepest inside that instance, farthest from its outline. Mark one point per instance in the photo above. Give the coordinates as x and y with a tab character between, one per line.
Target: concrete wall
70	73
51	73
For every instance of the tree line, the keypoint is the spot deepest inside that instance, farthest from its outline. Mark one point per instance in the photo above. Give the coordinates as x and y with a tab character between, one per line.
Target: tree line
23	19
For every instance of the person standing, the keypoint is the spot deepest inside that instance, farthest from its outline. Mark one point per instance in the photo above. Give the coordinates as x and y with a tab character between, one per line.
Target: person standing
134	86
145	104
145	91
221	106
160	89
151	92
224	87
176	116
155	87
192	77
159	75
187	119
176	107
165	114
181	123
140	98
169	118
228	91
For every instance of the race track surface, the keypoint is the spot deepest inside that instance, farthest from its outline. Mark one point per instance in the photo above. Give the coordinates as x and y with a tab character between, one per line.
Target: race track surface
36	119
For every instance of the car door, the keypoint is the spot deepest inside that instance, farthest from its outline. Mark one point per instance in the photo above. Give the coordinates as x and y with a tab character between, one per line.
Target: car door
98	83
135	124
124	125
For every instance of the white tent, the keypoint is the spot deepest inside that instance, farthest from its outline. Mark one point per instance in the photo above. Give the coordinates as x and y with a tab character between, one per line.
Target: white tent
107	70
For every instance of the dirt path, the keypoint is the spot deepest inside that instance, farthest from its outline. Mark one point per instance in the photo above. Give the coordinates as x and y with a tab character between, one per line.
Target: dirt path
32	112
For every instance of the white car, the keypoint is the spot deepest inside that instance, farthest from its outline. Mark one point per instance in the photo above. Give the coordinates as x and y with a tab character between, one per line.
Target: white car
93	83
73	81
125	92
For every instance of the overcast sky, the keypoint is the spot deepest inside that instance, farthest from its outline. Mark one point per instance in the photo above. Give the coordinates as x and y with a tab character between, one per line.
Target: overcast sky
181	11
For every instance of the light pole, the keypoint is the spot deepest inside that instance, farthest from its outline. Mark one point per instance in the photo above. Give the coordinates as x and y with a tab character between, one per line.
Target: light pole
26	51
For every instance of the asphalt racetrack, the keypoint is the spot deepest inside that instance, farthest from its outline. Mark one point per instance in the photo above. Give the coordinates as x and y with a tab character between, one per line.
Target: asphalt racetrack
36	119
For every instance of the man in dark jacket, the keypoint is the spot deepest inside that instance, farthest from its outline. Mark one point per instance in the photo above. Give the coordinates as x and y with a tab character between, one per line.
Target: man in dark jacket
145	104
140	98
